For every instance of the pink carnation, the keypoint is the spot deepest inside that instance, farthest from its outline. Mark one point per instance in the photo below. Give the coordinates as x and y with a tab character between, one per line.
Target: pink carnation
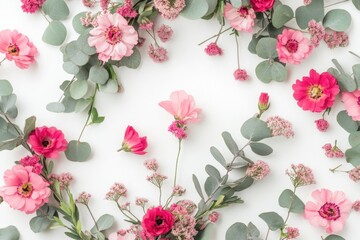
31	6
330	210
316	92
241	74
182	106
165	32
262	5
352	104
241	19
322	125
213	49
292	46
47	141
32	161
157	221
17	47
24	190
158	54
113	38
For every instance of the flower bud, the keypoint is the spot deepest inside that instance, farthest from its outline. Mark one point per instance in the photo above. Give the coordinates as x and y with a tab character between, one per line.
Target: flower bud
263	104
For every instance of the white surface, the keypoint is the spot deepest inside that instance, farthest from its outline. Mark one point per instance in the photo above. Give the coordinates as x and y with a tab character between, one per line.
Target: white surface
226	104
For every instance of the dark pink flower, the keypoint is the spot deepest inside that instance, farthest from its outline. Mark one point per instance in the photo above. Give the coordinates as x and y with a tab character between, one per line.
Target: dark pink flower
316	92
263	103
32	161
47	141
262	5
213	217
158	54
213	49
31	6
322	125
241	74
157	221
133	143
165	32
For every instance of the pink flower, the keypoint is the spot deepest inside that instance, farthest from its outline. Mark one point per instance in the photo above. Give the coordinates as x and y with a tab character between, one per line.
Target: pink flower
32	161
117	191
88	3
147	25
317	32
241	19
280	127
31	6
307	2
165	32
354	174
122	235
17	47
126	10
292	233
133	143
213	49
322	125
263	103
356	206
157	221
213	217
47	141
329	211
178	128
241	74
258	170
158	54
83	198
113	38
300	175
316	92
335	39
104	4
24	190
292	46
151	164
352	104
182	106
169	9
262	5
333	151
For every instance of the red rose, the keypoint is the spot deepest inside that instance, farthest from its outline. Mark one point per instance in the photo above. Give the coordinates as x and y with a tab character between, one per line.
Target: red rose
157	221
262	5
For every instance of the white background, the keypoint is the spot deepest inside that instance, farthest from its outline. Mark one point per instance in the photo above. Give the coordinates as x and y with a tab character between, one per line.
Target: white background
226	104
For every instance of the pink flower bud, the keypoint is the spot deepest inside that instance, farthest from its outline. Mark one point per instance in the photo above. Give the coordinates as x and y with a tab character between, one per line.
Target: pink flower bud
263	102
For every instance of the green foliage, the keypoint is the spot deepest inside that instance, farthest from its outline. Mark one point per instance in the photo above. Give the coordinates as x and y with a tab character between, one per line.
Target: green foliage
71	67
56	107
195	9
210	185
218	156
213	172
255	129
8	106
98	74
354	138
266	48
105	222
207	233
56	9
95	118
334	237
356	4
337	20
29	126
40	223
197	186
281	15
55	33
5	88
353	155
315	10
356	71
77	24
230	143
261	148
269	70
78	151
75	54
346	122
133	61
237	231
78	89
289	200
273	220
9	233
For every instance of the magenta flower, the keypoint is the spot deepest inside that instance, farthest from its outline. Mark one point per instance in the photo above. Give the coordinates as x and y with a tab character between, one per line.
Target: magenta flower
31	6
316	92
213	49
47	141
182	106
263	103
329	210
262	5
32	161
133	143
113	38
17	47
24	190
322	125
241	74
157	221
241	19
292	46
352	104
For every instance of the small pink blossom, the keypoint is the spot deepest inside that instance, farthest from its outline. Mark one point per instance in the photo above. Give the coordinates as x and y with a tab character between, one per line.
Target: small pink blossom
178	128
158	54
164	33
147	25
178	190
126	10
32	161
122	235
141	201
24	190
292	233
292	47
47	141
31	6
280	127
83	198
182	106
258	170
104	4
241	74
18	48
307	2
317	32
263	103
141	42
89	20
213	49
241	19
157	179
132	142
335	39
113	38
330	210
356	206
322	125
351	102
354	174
169	9
64	179
151	164
213	217
333	151
88	3
300	175
117	191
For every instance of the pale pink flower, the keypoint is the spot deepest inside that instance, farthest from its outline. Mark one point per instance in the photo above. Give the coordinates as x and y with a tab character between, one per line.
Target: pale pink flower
151	164
330	210
292	47
89	20
158	54
24	190
317	32
184	227
122	235
88	3
333	151
241	74
64	179
258	170
32	161
241	19
307	2
117	191
17	47
169	9
178	190
141	202
213	49
113	38
351	102
335	39
104	4
182	106
292	233
133	142
280	127
157	179
322	125
300	175
354	174
356	206
148	25
31	6
165	32
213	217
47	141
83	198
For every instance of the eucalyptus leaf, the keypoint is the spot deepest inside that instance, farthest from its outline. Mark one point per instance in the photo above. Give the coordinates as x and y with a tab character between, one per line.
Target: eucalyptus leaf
105	222
74	53
253	231
40	223
236	3
78	89
237	231
82	104
195	9
78	151
56	107
71	68
337	19
55	33
346	122
255	129
83	44
281	15
133	61
357	5
69	104
197	186
266	48
252	44
356	71
111	86
354	138
230	143
7	131
353	155
77	24
11	144
98	74
9	233
56	9
315	10
213	172
8	105
218	156
207	233
346	82
5	88
210	185
212	4
261	148
334	237
29	126
268	71
289	200
273	220
242	183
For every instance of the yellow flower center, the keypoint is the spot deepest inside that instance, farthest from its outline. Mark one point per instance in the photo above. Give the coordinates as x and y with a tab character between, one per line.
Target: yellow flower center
13	50
315	92
25	190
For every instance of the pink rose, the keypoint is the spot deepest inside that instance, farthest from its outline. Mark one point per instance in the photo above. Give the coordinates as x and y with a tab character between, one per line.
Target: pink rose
157	221
262	5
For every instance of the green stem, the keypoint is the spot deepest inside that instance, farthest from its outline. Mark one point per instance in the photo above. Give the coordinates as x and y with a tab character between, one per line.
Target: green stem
237	51
132	220
67	86
335	168
177	163
333	4
267	234
354	54
214	36
2	60
160	194
218	35
93	218
42	13
89	113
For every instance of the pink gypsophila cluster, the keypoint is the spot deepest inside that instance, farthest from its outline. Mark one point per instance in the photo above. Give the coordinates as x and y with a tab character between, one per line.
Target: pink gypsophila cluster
354	174
335	39
88	3
322	125
178	190
292	233
31	6
141	202
89	20
351	102
83	198
164	33
147	25
213	49
300	175
64	179
157	179
18	48
241	74
157	54
241	19
292	47
258	170
104	4
32	161
117	190
333	151
169	9
151	164
280	127
24	190
317	32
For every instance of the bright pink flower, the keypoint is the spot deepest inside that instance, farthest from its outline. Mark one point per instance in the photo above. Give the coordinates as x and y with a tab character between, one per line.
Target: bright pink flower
213	49
316	92
262	5
169	9
178	128
329	210
263	103
158	54
352	104
241	19
133	143
258	170
24	190
157	221
182	106
322	125
17	47
32	161
47	141
165	32
31	6
213	217
241	74
126	10
104	4
292	47
113	38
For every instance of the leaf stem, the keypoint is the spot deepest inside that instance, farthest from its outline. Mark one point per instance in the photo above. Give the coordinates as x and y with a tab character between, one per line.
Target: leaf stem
89	113
177	163
3	60
93	218
333	4
237	51
214	36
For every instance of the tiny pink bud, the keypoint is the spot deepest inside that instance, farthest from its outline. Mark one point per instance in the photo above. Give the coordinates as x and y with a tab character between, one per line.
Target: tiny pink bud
263	102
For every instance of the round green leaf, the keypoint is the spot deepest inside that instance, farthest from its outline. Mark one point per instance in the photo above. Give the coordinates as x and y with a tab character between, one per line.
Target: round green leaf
195	9
56	107
55	33
266	48
98	74
237	231
289	200
268	71
255	129
5	88
56	9
78	89
39	223
334	237
78	151
9	233
356	71
105	222
74	53
282	14
71	68
273	220
83	45
346	122
356	4
261	148
210	185
111	86
354	138
83	74
132	61
353	155
77	24
337	20
315	10
346	82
